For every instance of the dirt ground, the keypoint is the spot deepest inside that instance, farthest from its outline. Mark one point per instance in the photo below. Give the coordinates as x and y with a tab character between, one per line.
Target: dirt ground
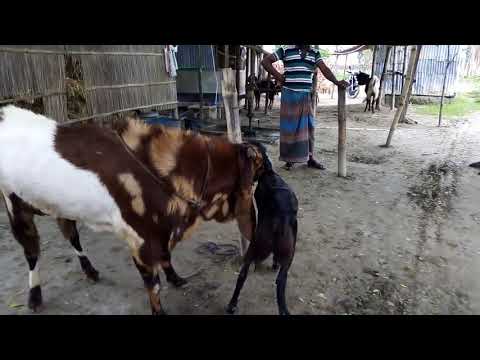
400	235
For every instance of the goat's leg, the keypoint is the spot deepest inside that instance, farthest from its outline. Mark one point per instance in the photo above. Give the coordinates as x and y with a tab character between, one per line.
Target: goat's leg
275	263
281	283
366	105
172	276
70	232
151	281
232	305
25	232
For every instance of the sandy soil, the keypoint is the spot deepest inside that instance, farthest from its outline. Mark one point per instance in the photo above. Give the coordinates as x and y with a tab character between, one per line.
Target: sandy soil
400	235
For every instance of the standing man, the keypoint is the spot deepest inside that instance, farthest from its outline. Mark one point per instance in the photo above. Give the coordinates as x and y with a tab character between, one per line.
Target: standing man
297	124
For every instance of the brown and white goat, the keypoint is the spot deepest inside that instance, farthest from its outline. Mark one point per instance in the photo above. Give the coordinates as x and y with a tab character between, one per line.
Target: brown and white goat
150	186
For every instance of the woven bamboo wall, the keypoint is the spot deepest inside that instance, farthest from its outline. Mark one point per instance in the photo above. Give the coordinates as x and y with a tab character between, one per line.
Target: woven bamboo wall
34	71
115	78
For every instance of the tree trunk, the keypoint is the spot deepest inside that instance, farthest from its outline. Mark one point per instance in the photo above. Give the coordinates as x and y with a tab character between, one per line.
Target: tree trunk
382	78
401	104
443	87
392	104
409	94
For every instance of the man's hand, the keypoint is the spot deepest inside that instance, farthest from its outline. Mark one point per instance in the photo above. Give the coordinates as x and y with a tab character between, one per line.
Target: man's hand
343	84
280	79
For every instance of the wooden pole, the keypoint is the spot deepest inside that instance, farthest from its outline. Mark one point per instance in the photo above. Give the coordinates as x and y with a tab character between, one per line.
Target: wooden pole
382	78
403	66
410	89
342	134
226	57
443	87
394	60
373	60
200	88
238	62
253	55
230	100
408	82
335	67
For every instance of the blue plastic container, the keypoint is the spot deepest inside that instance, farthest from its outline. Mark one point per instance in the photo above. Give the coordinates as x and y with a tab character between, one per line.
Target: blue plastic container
153	118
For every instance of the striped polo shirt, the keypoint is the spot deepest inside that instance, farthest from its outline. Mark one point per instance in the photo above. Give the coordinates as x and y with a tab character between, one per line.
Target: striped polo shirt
298	72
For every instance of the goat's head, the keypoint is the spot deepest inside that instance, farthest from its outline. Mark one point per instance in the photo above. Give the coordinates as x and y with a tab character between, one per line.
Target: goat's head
266	164
362	78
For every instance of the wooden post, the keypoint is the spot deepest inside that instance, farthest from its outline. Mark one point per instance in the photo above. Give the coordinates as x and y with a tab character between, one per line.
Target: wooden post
345	66
410	89
226	57
200	88
401	104
237	67
373	60
403	66
392	104
342	134
253	56
443	87
230	100
382	78
335	67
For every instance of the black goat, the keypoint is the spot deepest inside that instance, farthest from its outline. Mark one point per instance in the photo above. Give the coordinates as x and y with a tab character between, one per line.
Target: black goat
276	231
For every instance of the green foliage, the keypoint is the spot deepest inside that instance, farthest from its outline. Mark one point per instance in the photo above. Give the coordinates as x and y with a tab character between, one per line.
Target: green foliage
461	105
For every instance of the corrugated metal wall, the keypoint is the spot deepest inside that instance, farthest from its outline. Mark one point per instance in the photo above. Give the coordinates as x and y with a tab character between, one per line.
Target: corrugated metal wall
430	70
188	57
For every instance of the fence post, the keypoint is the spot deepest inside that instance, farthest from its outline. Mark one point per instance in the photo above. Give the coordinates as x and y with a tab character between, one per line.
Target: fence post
230	102
342	134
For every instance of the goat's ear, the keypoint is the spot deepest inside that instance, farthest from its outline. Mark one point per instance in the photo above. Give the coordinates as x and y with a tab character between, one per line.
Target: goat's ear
251	154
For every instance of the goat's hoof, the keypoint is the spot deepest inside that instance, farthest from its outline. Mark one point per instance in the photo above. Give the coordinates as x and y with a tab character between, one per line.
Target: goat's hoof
88	269
231	309
158	312
177	281
284	312
93	275
35	299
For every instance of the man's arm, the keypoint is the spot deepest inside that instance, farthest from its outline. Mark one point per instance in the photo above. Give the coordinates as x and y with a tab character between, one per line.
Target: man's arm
329	75
267	63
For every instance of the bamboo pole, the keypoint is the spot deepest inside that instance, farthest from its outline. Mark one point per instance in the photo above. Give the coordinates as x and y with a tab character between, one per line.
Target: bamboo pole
382	78
342	134
373	60
230	100
443	87
410	88
403	66
401	105
226	57
335	67
392	103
